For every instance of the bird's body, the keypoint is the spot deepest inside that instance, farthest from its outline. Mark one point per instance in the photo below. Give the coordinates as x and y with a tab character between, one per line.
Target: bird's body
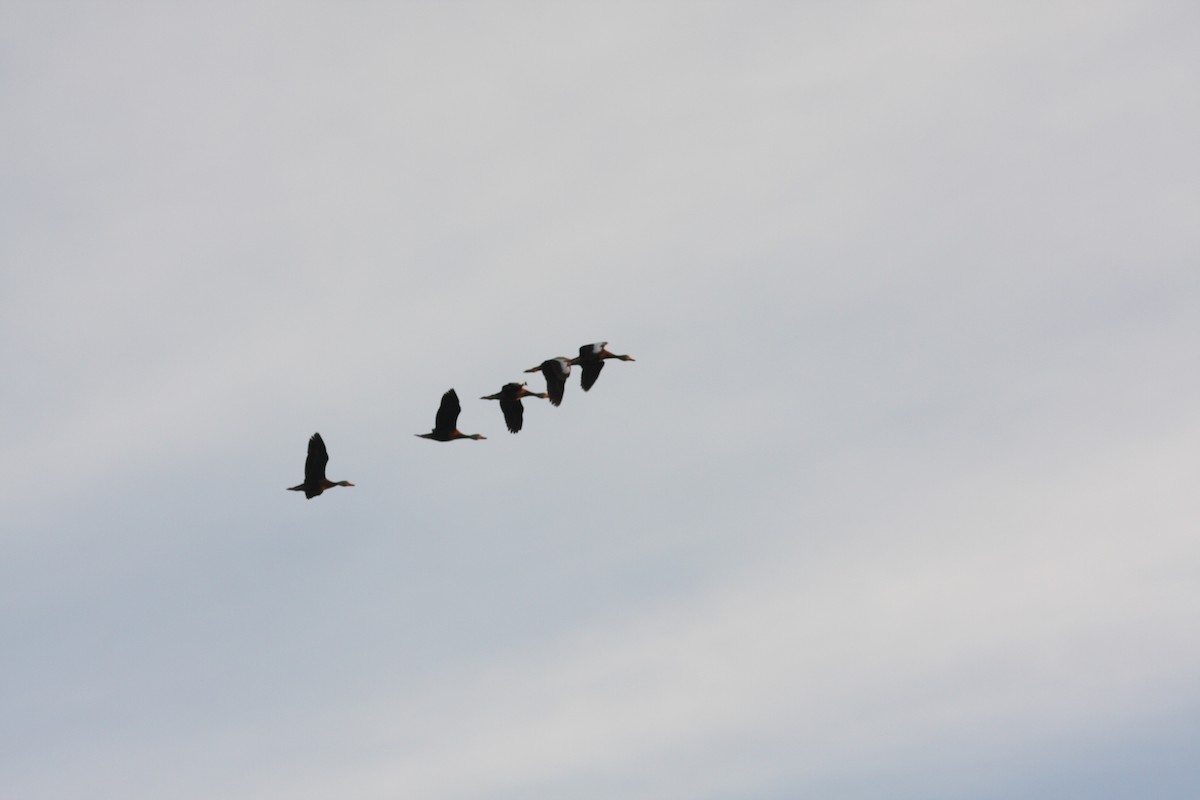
591	360
315	481
556	371
510	403
445	426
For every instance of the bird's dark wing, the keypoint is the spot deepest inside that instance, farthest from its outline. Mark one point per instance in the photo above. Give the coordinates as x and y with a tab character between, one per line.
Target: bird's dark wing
591	371
514	413
555	389
314	466
556	371
447	415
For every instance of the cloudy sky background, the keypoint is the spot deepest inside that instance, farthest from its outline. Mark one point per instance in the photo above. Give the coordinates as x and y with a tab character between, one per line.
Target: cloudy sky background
897	501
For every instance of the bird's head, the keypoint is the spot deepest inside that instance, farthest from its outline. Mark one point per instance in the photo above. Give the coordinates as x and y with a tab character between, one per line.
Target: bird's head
604	353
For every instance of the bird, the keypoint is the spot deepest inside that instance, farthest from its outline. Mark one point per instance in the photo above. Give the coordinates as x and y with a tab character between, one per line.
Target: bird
556	371
591	359
510	403
445	426
315	481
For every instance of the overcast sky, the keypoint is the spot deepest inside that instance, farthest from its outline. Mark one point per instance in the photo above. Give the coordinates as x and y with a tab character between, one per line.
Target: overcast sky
897	501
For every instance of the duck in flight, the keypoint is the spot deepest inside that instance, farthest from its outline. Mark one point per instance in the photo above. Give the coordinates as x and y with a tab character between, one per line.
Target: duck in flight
445	426
591	359
315	481
510	403
556	371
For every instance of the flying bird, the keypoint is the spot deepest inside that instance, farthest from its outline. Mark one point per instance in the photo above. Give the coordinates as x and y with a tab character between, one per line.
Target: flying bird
591	359
445	426
510	403
315	481
556	372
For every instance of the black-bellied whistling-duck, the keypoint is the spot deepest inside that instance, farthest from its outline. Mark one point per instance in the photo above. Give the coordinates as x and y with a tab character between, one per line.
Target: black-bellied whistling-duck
510	403
556	371
445	426
315	481
591	359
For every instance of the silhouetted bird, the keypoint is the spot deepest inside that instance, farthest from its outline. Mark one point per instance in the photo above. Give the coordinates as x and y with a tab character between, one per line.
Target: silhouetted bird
315	481
445	426
591	359
556	372
510	403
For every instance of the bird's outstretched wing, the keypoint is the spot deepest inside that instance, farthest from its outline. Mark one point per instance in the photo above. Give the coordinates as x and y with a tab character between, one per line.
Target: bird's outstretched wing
314	465
591	371
514	414
447	415
556	371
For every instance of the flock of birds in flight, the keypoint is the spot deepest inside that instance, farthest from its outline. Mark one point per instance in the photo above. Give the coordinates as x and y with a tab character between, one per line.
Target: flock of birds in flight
445	426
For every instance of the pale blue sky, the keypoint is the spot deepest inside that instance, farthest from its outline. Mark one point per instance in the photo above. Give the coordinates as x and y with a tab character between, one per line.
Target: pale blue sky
897	500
